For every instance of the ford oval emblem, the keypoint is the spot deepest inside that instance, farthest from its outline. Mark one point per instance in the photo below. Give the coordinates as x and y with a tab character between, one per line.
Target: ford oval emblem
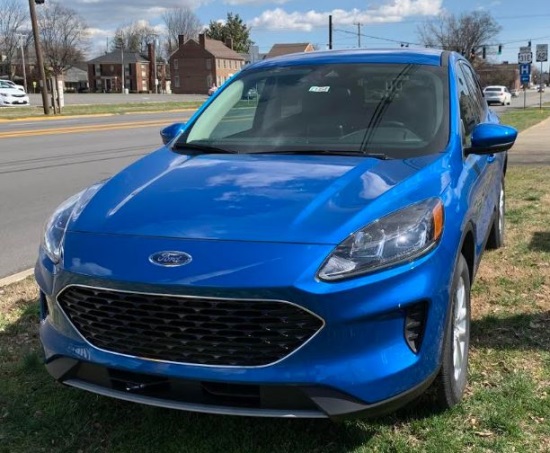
170	259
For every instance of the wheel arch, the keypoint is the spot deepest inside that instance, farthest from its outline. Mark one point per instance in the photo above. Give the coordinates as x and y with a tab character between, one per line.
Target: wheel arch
467	249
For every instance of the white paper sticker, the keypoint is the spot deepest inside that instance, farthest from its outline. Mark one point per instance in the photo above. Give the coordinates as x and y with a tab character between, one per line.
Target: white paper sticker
315	89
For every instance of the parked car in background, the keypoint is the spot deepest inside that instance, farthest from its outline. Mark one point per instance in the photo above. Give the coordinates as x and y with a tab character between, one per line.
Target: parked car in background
307	255
10	96
540	89
14	85
497	94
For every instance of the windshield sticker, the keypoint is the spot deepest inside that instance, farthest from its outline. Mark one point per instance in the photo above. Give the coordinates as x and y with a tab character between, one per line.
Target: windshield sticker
316	89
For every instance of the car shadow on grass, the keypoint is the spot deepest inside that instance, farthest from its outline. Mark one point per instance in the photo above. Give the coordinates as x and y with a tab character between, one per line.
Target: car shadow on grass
540	242
519	332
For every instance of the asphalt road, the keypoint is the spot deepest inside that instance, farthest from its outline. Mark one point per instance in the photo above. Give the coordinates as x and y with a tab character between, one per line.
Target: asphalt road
118	98
44	162
532	99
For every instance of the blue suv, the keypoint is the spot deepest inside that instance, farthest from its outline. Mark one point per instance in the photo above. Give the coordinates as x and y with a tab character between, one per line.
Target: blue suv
305	253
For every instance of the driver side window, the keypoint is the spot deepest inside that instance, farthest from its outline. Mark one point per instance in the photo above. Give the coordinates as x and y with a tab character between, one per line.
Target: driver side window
469	108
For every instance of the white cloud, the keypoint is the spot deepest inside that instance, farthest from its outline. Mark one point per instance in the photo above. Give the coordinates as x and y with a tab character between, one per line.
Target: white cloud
255	2
109	14
395	11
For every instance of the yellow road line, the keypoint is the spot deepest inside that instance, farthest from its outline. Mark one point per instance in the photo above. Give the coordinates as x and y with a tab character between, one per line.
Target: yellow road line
81	129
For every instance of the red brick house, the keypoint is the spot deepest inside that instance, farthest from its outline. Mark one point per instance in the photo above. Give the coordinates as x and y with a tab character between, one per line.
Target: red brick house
104	72
284	49
196	66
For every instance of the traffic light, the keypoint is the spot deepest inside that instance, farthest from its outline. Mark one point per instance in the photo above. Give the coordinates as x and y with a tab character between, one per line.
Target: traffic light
529	43
484	52
500	49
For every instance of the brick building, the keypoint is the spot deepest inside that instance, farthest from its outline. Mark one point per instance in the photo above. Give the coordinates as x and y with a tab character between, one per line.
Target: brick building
499	74
196	66
104	72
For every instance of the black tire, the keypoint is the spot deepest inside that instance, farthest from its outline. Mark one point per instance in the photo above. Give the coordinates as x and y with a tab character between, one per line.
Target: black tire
449	384
496	236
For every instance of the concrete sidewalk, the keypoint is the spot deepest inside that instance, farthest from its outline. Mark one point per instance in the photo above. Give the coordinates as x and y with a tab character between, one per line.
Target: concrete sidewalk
532	146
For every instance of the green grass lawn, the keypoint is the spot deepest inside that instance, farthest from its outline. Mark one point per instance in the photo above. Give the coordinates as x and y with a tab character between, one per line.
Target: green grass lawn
506	407
97	109
522	119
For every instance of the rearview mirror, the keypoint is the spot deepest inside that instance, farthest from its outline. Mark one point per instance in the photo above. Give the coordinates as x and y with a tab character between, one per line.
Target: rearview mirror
172	131
490	138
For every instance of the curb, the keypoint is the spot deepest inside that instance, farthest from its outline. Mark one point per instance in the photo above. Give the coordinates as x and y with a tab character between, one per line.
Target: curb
16	277
95	115
53	118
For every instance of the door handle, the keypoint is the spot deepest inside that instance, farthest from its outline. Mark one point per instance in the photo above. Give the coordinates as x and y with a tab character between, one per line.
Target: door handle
491	158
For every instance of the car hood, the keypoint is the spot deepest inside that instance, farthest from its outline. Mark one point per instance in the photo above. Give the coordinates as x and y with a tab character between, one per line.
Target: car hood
12	91
275	198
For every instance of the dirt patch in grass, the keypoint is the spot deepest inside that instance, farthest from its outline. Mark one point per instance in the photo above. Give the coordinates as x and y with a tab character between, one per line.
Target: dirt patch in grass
18	320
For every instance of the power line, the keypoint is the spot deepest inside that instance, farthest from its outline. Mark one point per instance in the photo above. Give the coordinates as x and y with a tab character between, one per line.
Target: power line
438	47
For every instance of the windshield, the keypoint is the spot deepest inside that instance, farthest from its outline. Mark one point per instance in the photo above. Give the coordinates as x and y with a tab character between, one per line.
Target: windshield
494	89
395	110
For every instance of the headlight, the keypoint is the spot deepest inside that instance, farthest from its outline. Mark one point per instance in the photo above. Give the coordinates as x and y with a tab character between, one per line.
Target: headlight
54	231
398	237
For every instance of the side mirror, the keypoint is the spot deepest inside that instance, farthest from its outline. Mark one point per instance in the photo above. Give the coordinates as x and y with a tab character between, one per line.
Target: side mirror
490	138
172	131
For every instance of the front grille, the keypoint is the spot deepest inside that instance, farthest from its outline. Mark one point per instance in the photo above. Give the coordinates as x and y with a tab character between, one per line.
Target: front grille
187	329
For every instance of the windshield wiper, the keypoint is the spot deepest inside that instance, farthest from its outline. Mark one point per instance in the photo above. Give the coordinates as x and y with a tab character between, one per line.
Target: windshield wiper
206	148
328	152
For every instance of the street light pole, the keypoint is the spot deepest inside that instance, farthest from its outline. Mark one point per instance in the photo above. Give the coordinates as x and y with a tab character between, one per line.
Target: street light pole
20	36
24	70
155	67
123	74
39	59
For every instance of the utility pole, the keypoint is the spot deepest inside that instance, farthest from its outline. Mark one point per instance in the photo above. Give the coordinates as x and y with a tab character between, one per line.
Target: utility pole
123	72
39	59
330	31
358	34
21	44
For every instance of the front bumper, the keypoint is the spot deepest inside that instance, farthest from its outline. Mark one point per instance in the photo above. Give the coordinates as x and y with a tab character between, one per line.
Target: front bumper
358	362
13	101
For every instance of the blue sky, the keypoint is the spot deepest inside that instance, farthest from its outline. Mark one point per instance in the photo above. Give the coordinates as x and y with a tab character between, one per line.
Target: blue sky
275	21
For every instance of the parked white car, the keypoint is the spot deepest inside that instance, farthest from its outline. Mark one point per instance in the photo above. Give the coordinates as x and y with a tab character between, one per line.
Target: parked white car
14	85
497	94
10	96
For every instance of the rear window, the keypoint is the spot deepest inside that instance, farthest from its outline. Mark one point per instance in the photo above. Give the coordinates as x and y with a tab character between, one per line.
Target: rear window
494	89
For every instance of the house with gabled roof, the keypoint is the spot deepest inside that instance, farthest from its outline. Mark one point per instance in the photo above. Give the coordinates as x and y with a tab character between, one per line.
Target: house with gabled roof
284	49
140	74
198	65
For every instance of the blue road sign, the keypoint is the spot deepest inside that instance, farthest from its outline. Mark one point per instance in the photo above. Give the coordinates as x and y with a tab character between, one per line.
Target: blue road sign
525	72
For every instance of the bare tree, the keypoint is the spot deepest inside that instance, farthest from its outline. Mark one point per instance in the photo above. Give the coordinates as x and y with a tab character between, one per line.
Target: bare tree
64	38
134	37
12	19
180	21
467	33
